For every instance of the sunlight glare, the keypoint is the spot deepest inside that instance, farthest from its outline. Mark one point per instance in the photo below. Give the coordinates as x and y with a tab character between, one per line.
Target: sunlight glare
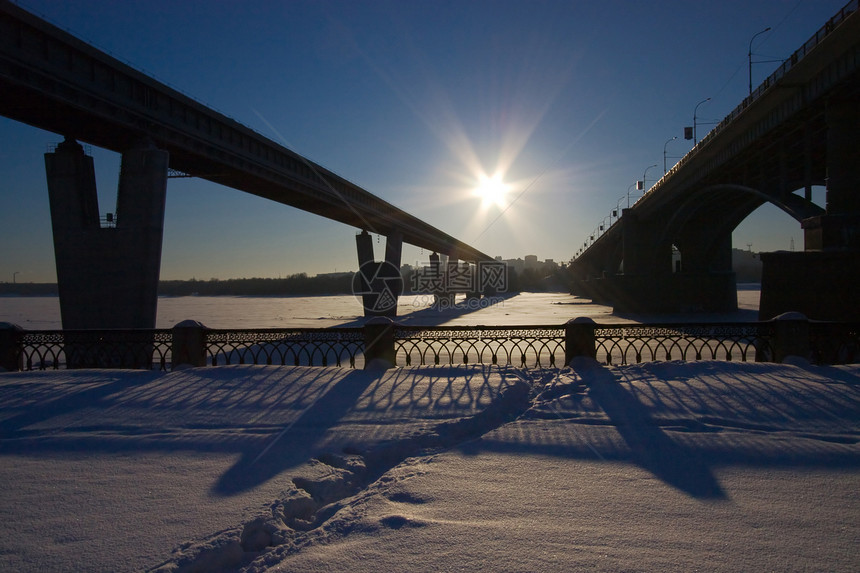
492	190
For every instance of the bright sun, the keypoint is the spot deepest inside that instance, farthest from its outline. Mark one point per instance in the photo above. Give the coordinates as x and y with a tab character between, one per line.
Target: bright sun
492	190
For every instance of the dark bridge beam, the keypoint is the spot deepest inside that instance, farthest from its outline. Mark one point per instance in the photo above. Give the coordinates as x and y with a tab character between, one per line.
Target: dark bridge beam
52	80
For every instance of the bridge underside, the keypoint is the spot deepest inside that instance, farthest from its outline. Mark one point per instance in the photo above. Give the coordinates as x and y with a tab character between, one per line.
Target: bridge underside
672	251
108	274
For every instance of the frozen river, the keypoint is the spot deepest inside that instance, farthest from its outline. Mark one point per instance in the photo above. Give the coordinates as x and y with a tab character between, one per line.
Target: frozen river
43	313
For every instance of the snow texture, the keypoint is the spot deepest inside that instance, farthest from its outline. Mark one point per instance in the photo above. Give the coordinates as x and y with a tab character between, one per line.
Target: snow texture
654	467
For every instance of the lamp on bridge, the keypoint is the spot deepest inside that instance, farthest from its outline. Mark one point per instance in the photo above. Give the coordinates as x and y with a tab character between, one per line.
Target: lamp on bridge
628	192
664	152
695	140
640	185
749	54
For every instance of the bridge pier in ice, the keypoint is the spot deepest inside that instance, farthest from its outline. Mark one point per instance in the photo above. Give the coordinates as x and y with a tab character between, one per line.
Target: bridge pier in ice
379	284
107	275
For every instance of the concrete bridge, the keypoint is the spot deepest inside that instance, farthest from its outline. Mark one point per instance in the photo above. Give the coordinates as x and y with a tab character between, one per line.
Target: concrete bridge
108	276
799	129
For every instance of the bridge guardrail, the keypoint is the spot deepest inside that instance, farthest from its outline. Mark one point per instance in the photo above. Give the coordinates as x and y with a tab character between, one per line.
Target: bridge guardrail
769	82
541	346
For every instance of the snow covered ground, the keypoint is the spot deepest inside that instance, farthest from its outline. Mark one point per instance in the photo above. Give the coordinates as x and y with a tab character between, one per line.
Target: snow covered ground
655	467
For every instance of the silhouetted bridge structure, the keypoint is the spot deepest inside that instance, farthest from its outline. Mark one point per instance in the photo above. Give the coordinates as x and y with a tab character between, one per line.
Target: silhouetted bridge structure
799	129
108	276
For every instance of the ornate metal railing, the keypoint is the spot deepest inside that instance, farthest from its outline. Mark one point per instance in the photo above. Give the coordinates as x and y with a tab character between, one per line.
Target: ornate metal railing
286	346
54	349
625	344
521	346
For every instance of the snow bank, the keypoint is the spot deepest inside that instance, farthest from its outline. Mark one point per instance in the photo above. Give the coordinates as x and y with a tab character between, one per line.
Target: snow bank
662	466
655	467
110	470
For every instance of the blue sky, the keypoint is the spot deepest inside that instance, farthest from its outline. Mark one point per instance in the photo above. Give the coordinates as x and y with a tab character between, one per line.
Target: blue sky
570	101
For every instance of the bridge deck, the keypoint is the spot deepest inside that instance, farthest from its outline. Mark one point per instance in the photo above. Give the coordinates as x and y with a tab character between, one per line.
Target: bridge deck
52	80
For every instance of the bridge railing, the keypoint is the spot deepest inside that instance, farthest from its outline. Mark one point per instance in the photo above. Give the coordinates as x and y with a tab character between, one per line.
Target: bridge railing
540	346
768	83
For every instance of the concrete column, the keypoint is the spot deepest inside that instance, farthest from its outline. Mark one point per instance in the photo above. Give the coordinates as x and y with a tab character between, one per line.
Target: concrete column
643	252
435	262
450	267
474	294
107	277
436	272
394	248
364	244
379	351
843	157
821	282
839	228
378	284
366	270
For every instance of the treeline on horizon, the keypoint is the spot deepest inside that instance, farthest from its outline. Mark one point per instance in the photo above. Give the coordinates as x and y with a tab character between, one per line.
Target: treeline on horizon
297	284
293	285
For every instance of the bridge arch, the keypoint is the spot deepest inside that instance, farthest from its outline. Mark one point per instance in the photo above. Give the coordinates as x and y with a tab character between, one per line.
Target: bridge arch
701	227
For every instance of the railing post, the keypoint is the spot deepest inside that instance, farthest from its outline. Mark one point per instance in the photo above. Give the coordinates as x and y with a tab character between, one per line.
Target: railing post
379	343
791	336
189	344
579	338
10	358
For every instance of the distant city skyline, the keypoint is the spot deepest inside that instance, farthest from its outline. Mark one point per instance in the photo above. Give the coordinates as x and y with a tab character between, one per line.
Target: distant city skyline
514	126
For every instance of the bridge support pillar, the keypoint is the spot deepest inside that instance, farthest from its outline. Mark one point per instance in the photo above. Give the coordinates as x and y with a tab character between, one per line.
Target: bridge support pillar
473	296
379	284
643	252
447	297
648	285
823	282
107	277
647	267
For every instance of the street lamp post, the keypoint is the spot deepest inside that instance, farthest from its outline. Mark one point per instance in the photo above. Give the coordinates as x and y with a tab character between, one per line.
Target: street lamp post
628	193
695	111
645	175
749	54
16	273
664	153
603	227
